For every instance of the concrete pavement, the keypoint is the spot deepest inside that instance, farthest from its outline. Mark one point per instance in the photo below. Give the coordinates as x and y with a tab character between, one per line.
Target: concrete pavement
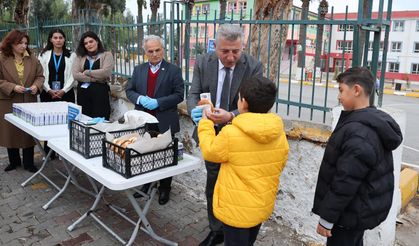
23	221
183	219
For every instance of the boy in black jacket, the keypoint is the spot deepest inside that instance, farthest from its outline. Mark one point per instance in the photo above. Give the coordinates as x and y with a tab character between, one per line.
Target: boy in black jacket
355	185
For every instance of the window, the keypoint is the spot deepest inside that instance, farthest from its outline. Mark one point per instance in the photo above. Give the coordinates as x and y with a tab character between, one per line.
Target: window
398	26
396	46
348	45
378	65
205	9
349	28
416	48
197	10
415	68
393	67
417	25
242	6
231	7
370	44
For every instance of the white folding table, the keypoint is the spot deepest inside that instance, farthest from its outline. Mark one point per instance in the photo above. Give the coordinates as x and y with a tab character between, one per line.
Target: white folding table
113	181
45	133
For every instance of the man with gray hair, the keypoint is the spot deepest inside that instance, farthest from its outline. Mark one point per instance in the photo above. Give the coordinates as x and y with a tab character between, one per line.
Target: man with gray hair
156	87
220	74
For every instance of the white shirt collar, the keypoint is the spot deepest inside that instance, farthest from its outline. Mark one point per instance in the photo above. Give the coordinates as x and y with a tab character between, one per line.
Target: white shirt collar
221	66
155	68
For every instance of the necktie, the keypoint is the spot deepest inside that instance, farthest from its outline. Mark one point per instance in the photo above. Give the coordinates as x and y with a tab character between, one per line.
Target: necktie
225	93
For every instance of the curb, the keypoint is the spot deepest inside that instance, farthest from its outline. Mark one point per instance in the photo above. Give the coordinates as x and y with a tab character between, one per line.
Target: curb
413	93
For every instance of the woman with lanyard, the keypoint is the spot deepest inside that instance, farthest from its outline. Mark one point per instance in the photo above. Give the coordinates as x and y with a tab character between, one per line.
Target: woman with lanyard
21	79
92	69
57	62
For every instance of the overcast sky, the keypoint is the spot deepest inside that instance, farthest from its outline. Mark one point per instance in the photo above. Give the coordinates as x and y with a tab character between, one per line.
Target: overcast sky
339	5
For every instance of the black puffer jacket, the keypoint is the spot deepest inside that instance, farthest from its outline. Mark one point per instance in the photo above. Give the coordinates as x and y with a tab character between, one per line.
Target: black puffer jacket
356	182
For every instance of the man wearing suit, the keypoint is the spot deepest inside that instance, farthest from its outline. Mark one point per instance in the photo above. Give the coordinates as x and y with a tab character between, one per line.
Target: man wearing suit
157	87
221	74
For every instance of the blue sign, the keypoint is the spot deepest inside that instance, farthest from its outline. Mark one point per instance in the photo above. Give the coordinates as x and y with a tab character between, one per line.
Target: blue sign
211	45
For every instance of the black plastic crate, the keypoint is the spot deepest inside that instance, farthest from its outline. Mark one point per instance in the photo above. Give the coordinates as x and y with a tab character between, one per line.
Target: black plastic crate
133	163
88	141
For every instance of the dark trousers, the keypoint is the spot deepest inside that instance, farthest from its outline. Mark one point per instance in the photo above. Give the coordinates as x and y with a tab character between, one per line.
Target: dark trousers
166	183
94	100
212	174
14	157
343	237
46	149
240	236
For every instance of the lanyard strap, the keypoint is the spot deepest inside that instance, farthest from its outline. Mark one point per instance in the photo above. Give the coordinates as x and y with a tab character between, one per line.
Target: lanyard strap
57	65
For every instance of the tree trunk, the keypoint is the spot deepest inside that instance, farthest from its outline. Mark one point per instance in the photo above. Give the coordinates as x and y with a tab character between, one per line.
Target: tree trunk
303	31
140	31
75	15
154	6
223	8
323	9
362	33
21	12
281	10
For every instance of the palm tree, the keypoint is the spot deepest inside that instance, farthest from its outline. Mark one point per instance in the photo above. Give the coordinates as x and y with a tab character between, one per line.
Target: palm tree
280	9
140	31
223	7
21	12
323	9
303	30
154	6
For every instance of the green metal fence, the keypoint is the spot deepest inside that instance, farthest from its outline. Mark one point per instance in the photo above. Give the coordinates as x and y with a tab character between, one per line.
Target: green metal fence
302	91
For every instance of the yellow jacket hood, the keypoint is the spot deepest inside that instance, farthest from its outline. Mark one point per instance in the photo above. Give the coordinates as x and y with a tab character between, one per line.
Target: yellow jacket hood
263	128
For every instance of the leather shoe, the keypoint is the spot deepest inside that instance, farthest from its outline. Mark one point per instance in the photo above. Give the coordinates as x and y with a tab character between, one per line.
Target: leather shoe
164	197
10	167
31	169
213	239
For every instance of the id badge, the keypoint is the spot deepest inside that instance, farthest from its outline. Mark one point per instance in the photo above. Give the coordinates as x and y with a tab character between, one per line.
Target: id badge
56	85
85	85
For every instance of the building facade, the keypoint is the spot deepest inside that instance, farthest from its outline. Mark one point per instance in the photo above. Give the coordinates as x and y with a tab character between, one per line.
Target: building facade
403	47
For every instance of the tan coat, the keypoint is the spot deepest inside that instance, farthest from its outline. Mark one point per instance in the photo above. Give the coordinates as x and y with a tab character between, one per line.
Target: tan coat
101	75
11	136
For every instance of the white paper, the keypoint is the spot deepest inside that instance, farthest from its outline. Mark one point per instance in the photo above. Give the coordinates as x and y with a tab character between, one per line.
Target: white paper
147	144
136	116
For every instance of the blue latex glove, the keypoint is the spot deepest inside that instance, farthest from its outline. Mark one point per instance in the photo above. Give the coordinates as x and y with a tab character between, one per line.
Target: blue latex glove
96	120
196	114
151	103
144	100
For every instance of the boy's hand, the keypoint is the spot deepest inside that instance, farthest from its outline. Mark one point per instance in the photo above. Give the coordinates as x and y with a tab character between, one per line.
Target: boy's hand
204	113
323	231
219	116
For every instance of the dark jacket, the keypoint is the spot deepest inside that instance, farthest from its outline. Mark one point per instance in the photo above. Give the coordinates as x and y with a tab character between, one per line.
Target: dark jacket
168	92
205	78
356	182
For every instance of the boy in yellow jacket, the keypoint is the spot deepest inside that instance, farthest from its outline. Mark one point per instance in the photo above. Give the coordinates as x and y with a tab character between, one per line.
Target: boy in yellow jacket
252	151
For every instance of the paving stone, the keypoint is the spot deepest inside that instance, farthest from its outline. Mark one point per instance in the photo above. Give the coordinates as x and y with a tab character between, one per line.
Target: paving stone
67	218
81	239
12	235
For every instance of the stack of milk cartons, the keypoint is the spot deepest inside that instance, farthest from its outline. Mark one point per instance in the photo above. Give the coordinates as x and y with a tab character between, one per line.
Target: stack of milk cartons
43	113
